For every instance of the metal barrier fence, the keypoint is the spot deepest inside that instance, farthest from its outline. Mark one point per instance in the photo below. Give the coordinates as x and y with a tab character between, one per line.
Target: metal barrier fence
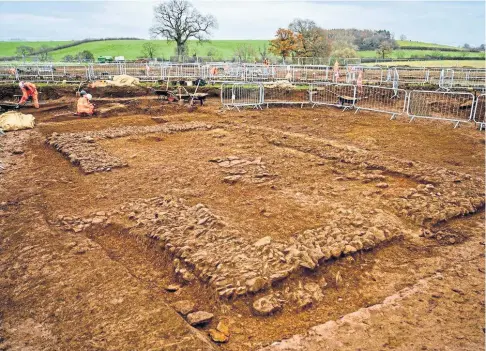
447	106
332	94
480	111
447	79
239	95
456	107
278	94
462	79
381	99
309	74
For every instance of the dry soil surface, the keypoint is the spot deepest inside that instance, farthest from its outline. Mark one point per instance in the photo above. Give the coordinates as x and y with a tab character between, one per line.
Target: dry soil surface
367	234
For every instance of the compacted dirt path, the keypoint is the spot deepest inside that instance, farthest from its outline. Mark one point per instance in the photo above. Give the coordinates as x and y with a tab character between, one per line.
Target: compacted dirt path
315	207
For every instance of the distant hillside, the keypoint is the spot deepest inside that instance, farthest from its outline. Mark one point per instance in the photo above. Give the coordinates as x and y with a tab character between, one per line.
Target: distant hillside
7	48
132	49
413	44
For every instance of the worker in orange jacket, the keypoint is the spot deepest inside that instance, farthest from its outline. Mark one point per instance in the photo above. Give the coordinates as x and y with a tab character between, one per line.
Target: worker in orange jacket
28	90
84	105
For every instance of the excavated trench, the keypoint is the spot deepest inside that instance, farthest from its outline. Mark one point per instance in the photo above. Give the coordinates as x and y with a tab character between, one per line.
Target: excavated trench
234	211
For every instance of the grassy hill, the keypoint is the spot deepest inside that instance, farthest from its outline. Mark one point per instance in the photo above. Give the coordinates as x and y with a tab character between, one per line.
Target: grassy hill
408	43
132	49
7	48
404	53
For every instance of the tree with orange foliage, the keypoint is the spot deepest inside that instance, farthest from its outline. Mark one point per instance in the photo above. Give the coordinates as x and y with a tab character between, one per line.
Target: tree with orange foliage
286	43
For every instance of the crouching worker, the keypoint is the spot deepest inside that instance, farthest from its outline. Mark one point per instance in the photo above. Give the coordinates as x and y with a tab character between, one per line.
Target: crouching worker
85	107
29	90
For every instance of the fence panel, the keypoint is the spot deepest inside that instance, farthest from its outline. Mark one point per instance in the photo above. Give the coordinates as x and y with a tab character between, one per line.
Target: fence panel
75	72
143	71
412	75
446	79
469	78
332	94
105	71
221	72
311	74
240	95
381	99
479	111
8	72
28	72
182	71
285	94
433	75
373	75
448	106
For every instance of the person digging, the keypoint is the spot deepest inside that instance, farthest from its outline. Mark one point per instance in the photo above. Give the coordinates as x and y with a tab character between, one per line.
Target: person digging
29	90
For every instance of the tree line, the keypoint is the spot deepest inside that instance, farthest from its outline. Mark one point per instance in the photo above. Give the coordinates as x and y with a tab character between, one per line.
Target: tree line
179	21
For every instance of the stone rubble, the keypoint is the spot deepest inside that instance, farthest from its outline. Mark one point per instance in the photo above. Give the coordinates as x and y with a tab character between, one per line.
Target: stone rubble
237	169
195	237
220	334
172	287
266	305
83	150
199	318
184	307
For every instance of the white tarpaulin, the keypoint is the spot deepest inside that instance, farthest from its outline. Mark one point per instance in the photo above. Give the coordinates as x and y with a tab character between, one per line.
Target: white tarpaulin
14	120
124	81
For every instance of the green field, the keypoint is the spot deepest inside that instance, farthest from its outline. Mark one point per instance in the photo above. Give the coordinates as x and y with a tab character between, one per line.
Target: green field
434	63
407	43
7	48
132	49
403	53
222	49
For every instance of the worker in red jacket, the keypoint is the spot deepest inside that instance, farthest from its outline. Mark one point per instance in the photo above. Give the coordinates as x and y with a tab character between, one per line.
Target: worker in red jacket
28	90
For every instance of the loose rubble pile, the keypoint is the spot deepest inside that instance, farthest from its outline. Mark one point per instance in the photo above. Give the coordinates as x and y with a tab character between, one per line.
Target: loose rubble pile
83	150
237	169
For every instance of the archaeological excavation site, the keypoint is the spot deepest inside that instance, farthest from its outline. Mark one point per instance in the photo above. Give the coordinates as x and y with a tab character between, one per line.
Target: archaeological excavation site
206	224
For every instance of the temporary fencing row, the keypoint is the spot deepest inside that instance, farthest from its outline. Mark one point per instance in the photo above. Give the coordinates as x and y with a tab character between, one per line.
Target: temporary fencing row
218	72
480	111
454	107
462	79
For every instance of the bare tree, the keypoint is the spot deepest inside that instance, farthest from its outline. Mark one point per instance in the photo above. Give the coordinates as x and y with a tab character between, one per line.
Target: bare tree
403	37
149	50
178	20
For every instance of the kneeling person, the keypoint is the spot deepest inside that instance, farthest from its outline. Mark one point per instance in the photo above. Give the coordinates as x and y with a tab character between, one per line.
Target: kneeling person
85	107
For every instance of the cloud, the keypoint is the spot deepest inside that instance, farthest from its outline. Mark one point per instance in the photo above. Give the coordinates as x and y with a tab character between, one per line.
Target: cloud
450	23
19	19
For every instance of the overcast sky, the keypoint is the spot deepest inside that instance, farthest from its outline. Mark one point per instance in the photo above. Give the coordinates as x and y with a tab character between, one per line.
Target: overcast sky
443	22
